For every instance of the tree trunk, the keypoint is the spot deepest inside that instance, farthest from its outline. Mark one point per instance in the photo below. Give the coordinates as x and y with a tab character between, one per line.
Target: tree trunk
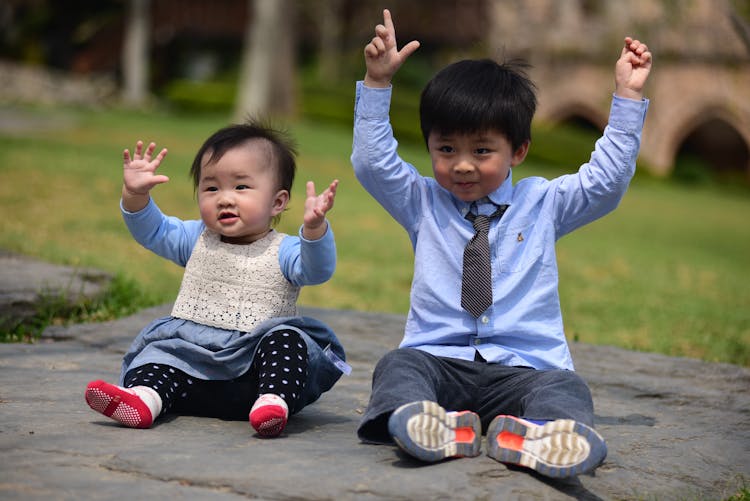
267	75
135	53
330	40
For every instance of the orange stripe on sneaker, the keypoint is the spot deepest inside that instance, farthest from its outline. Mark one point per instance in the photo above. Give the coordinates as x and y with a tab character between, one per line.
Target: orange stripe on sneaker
465	435
508	440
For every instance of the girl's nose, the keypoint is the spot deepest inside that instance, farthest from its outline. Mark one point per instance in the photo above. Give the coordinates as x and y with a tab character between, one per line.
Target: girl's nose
225	199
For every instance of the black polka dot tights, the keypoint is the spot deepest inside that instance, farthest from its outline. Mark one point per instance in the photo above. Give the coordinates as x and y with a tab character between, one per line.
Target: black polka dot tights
279	367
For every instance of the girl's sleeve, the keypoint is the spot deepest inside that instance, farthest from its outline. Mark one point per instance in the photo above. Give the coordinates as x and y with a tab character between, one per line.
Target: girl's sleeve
308	262
166	236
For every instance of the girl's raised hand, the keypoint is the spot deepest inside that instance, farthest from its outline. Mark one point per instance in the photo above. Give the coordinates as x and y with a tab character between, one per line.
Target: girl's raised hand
139	172
316	207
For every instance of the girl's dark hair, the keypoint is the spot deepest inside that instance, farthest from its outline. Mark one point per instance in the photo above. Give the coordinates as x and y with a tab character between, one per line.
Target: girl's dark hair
477	95
282	147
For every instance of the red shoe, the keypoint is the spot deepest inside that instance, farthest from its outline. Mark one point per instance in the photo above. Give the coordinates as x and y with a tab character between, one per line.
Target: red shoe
269	415
120	404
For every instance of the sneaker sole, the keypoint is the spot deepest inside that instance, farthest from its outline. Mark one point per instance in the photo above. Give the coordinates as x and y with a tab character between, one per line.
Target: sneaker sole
557	449
425	431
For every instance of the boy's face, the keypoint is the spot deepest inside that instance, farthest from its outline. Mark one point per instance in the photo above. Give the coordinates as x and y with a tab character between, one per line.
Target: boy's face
238	195
472	166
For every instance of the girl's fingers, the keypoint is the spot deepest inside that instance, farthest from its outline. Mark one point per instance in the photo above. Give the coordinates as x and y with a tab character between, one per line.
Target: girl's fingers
310	189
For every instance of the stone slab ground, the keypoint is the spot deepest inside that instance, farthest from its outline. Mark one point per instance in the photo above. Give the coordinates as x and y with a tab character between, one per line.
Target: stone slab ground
676	429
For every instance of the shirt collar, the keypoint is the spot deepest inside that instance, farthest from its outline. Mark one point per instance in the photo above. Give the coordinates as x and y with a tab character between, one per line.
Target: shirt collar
504	194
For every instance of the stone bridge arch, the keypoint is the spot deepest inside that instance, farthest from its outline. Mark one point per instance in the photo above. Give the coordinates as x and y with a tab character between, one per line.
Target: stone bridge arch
572	91
700	80
684	99
576	110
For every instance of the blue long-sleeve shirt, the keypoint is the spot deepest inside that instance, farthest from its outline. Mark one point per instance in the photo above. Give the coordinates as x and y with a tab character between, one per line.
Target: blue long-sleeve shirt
303	262
524	325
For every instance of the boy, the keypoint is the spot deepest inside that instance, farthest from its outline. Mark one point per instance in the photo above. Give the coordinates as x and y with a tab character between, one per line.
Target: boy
491	350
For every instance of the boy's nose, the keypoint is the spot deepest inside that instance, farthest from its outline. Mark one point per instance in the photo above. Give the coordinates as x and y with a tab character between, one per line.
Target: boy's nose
463	167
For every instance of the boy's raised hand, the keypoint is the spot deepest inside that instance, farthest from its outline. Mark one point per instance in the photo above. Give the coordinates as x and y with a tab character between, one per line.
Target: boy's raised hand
382	56
316	207
632	69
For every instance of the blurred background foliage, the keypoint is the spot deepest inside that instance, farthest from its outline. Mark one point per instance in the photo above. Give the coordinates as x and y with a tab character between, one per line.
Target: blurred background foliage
195	56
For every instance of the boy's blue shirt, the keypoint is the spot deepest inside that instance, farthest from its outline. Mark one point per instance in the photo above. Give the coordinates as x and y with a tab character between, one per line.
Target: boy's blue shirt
524	326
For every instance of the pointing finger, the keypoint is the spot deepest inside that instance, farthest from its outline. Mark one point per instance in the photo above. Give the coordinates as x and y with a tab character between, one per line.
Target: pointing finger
387	20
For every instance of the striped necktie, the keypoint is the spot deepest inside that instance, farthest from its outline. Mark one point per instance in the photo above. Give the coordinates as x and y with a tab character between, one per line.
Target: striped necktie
476	287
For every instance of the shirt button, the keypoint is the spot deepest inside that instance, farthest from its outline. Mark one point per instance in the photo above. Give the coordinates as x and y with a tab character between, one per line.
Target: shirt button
485	319
477	341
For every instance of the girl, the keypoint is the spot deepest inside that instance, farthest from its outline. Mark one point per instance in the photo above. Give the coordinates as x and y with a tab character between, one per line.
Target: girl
234	342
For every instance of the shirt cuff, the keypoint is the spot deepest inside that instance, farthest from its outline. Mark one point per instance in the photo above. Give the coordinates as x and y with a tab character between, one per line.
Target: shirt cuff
325	235
372	102
148	207
628	114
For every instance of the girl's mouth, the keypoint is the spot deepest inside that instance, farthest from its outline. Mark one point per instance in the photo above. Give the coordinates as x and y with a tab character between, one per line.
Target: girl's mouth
227	217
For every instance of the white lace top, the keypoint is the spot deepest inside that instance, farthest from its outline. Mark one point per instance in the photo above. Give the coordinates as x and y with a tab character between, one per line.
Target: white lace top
235	287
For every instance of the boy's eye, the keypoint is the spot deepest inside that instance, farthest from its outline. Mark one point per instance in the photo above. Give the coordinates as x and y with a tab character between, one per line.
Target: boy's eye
242	187
446	149
482	151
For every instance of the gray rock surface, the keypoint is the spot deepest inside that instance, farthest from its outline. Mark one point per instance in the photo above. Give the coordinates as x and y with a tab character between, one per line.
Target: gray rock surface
24	282
676	429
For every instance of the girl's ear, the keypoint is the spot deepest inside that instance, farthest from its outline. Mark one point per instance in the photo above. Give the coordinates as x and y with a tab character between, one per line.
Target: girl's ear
280	201
520	154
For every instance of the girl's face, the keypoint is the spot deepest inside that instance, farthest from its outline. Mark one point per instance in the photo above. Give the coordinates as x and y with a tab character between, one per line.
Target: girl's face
472	166
238	195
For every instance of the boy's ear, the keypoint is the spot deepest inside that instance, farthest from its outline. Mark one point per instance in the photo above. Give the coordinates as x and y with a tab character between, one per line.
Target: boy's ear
280	201
520	154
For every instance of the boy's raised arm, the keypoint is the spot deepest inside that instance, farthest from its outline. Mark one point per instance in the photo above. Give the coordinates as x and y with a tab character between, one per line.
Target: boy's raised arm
632	69
382	56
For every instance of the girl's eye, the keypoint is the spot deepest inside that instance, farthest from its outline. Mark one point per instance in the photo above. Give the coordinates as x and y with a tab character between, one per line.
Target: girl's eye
211	188
483	151
242	187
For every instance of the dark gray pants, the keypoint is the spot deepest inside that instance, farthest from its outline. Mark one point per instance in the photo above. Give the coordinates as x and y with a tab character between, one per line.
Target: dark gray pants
407	375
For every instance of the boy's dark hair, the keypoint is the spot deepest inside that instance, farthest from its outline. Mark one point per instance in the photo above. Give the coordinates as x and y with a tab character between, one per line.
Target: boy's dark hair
281	146
475	95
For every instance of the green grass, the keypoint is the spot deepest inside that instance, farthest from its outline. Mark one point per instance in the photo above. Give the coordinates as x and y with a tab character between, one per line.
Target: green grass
122	297
667	272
